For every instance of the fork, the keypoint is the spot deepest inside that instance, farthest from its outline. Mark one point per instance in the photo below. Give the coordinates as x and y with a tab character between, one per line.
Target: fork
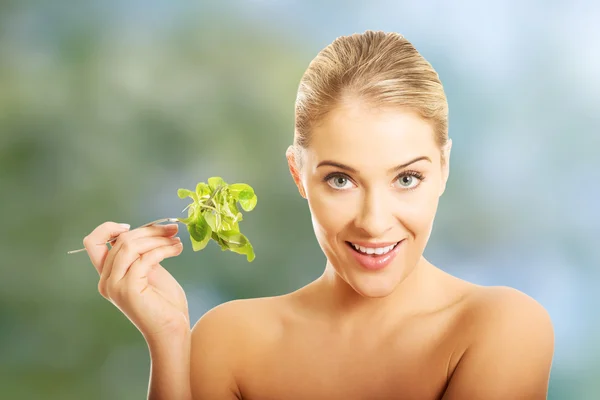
158	221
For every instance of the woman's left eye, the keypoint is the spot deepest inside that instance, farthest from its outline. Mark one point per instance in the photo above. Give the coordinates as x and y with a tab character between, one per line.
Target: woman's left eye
409	181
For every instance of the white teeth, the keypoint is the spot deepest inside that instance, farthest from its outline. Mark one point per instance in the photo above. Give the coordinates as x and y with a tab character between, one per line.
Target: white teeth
370	250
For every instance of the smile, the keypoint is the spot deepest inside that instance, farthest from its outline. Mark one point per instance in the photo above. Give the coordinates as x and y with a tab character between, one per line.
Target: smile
374	258
373	250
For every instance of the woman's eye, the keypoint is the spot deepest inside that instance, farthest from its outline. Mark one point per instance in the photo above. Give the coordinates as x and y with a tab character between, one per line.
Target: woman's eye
408	181
338	182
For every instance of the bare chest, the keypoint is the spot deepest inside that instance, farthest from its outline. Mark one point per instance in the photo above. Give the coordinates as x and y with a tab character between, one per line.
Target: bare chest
411	363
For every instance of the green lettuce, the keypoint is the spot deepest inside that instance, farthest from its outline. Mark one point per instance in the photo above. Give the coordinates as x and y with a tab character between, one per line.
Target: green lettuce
214	214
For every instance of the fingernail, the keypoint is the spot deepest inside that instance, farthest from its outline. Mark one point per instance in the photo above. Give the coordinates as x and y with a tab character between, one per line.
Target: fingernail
125	226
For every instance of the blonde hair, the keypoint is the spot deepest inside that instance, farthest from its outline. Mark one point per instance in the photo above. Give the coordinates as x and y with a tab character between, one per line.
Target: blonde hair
381	69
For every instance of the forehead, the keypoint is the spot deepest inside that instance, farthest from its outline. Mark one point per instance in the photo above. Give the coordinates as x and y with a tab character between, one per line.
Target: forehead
362	136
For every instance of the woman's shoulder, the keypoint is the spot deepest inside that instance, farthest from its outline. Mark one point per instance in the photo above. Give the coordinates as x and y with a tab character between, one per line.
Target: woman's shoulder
489	312
495	316
500	304
508	343
224	340
240	318
484	305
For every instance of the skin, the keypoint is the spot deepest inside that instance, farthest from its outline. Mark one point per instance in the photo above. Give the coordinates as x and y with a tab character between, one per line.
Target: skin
409	331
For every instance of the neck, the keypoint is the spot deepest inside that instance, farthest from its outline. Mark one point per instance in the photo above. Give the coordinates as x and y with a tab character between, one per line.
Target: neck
345	307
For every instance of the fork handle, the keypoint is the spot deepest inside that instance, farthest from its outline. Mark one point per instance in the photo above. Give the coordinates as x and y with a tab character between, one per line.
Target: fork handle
158	221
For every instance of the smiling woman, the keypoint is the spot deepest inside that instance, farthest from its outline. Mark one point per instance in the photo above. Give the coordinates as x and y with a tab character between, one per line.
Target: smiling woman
371	156
373	202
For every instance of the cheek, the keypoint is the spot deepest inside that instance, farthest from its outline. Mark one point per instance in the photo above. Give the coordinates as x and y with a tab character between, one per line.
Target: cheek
330	212
417	210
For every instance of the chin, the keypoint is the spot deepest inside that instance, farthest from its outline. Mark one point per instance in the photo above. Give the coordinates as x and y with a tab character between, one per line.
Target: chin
374	286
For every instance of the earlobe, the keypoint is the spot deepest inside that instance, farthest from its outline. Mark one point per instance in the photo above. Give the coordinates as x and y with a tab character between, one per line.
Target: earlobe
290	155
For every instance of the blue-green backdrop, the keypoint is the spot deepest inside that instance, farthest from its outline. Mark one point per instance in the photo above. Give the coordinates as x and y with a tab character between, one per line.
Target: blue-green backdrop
107	108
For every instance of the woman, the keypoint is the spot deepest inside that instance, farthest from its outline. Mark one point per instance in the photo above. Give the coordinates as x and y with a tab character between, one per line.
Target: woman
371	157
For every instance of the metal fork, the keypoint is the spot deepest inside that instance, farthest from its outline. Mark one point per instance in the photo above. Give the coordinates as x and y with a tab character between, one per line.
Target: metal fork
158	221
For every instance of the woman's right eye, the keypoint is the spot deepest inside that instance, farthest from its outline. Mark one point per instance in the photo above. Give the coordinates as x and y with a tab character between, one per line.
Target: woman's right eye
337	181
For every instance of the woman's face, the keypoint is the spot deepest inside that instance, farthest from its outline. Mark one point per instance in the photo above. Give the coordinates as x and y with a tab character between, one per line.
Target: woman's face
365	198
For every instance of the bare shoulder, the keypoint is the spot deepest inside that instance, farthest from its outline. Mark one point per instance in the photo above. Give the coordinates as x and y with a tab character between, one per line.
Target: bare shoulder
510	348
232	312
505	307
220	340
240	313
236	321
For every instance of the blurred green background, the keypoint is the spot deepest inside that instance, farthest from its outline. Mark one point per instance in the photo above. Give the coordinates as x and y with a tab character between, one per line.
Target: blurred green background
107	108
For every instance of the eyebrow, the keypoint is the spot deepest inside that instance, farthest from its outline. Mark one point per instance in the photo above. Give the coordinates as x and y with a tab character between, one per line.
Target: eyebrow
348	168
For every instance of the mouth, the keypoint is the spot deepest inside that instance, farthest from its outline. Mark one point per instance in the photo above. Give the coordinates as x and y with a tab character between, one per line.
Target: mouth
374	259
373	251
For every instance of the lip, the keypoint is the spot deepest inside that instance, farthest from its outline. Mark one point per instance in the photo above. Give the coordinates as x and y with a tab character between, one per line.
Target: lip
374	244
374	262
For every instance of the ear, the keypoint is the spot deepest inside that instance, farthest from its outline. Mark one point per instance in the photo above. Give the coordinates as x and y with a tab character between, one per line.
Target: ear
291	158
446	164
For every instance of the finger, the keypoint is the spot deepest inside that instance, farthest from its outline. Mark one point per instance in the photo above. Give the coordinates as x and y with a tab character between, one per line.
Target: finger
153	230
136	277
148	231
94	243
132	250
126	252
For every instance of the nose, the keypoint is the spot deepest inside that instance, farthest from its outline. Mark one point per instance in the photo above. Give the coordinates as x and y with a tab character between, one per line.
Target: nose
375	217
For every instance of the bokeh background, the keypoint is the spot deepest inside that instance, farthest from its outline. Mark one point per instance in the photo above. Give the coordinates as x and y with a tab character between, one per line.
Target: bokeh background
107	108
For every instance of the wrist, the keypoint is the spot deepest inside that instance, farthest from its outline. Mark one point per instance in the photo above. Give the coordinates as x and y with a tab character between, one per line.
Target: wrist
170	338
170	365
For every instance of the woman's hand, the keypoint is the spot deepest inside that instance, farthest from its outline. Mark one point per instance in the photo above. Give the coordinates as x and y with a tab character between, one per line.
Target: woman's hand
134	281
